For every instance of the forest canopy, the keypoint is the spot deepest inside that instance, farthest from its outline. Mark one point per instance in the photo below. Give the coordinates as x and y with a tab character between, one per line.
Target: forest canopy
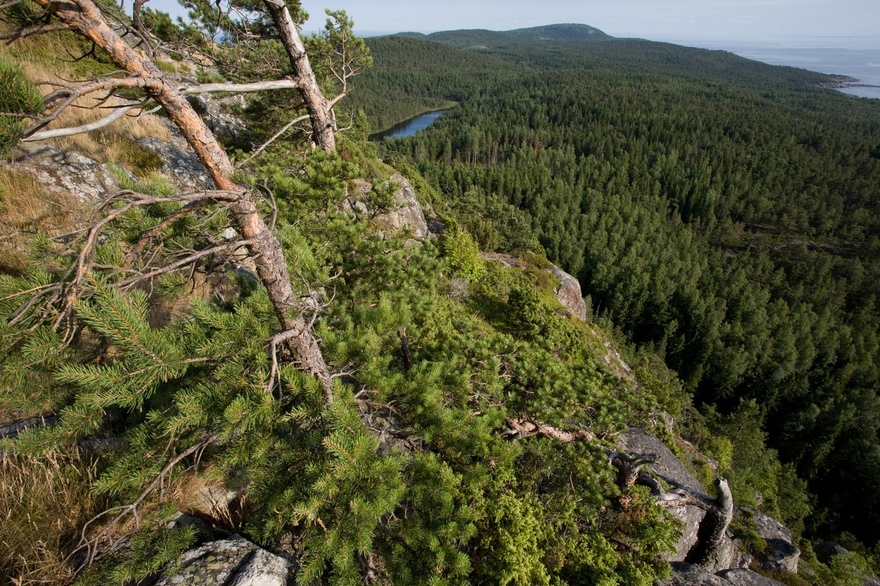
722	212
385	405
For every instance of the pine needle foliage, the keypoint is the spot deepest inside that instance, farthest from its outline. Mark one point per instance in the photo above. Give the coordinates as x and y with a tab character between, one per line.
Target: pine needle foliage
19	100
405	474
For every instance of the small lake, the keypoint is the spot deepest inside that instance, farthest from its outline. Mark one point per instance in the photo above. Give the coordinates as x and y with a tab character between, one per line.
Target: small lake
409	127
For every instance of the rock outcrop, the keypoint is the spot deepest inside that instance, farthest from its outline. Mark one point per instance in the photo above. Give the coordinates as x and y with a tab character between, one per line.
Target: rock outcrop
684	574
67	173
569	294
218	116
180	164
403	216
234	561
636	441
781	553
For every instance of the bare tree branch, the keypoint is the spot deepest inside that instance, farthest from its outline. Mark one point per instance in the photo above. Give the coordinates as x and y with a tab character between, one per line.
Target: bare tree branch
258	151
259	86
23	33
188	260
92	545
71	131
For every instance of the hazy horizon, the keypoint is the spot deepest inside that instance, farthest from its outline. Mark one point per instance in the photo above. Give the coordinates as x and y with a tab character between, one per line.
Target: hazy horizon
845	24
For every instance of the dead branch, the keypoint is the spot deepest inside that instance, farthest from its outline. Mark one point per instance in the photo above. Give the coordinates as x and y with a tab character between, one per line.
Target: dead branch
23	33
65	293
186	261
95	125
167	221
92	545
61	99
523	428
275	137
238	88
404	350
710	534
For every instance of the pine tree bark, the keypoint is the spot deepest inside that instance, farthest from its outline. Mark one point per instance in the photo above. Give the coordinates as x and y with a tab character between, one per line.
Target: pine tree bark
84	17
318	107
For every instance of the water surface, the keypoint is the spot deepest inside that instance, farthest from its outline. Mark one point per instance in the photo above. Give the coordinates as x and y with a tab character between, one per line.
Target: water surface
409	127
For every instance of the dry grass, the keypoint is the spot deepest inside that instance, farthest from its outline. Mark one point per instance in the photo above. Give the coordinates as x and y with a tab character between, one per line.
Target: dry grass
208	497
27	209
43	505
49	59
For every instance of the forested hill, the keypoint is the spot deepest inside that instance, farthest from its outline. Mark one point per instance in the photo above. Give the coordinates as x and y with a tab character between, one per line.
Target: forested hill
413	73
485	39
719	211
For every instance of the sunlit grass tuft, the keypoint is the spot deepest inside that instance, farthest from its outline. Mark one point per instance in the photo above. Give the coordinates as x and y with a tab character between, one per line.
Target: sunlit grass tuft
27	209
43	505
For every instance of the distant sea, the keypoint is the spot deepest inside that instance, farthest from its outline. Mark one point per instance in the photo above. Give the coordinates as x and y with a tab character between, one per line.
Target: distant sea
857	57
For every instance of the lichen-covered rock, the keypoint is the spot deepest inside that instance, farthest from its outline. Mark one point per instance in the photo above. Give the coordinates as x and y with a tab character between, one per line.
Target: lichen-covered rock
569	293
636	441
690	575
403	216
217	115
180	164
827	550
234	561
743	577
781	553
684	574
66	172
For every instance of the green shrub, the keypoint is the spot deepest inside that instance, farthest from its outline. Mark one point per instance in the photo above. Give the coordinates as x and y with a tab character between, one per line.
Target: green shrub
18	100
462	252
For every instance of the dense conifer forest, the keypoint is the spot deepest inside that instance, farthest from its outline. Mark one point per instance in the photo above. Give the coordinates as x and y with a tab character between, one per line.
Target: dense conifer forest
443	420
719	211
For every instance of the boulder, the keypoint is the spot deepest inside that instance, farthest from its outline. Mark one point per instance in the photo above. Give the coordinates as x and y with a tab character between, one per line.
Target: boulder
217	115
636	441
180	164
744	577
569	293
66	172
234	561
690	575
827	550
684	574
781	553
405	215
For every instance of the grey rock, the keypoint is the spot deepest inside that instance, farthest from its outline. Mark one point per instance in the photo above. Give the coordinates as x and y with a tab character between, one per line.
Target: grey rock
781	553
690	575
11	429
66	172
636	441
404	216
217	115
741	577
408	216
829	549
569	293
180	164
203	534
234	561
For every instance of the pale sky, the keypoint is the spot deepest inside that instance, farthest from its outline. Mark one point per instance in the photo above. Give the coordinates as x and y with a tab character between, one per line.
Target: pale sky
666	20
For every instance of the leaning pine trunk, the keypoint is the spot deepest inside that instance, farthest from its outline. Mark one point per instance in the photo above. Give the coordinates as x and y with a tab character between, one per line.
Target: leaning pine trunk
83	17
318	107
